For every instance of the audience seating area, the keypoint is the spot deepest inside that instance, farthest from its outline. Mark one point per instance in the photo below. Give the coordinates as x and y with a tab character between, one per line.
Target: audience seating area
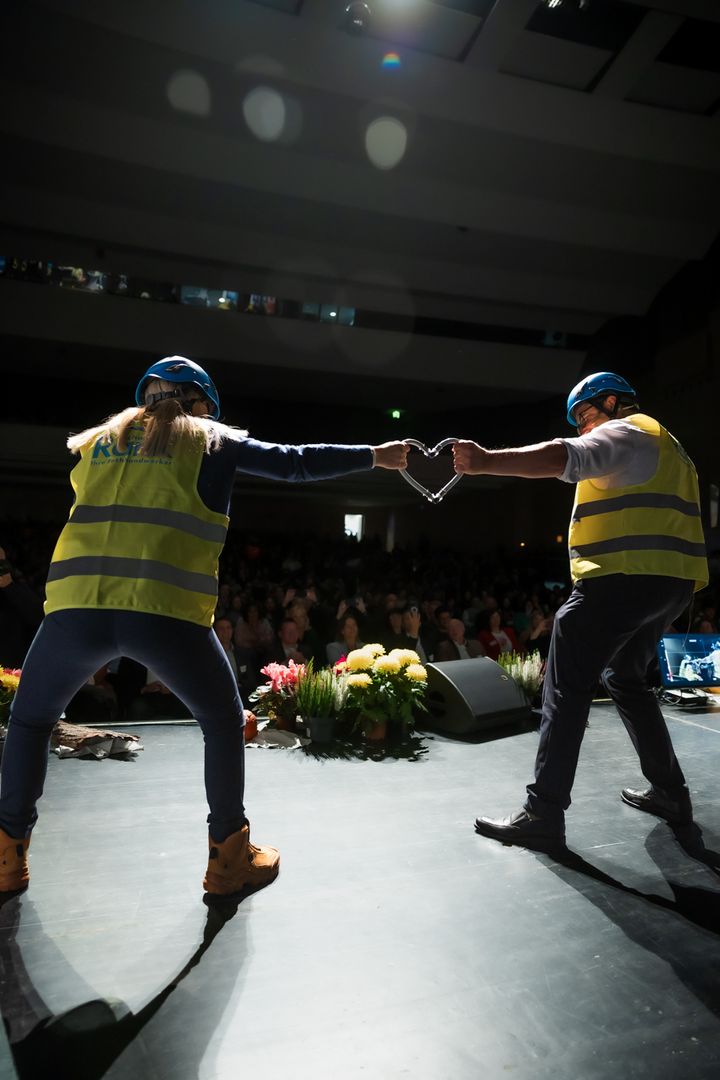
284	597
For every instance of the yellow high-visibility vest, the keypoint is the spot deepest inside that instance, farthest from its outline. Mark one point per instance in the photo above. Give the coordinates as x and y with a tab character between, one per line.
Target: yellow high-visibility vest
139	537
650	528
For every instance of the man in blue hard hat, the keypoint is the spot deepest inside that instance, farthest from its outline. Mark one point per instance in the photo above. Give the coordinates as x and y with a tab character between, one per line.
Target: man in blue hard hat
636	555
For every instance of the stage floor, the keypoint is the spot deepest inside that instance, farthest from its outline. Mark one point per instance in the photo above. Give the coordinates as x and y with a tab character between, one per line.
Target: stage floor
396	942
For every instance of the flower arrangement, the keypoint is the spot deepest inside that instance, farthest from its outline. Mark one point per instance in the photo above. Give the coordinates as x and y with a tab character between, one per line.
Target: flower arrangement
380	687
526	670
318	692
277	699
9	679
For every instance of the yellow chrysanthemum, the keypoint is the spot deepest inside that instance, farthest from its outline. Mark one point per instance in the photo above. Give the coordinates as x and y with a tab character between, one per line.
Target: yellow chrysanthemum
10	682
416	673
360	679
386	665
376	649
405	656
359	660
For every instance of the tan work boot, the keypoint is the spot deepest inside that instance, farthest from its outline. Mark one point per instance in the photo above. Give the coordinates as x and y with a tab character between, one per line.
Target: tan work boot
236	865
14	872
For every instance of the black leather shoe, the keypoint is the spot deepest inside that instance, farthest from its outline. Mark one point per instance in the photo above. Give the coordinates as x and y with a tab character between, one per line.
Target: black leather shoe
522	827
677	811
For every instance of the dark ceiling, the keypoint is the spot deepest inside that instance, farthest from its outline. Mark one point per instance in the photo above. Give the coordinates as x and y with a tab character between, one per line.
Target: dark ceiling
485	186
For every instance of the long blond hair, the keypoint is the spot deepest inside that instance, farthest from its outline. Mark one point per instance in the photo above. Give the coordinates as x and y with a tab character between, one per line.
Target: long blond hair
164	425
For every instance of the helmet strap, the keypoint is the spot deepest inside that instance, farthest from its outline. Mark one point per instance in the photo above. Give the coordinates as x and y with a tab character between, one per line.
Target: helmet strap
152	400
610	413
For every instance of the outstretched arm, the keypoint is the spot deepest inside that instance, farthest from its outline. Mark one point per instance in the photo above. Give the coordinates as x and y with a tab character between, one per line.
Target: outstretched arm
317	461
542	459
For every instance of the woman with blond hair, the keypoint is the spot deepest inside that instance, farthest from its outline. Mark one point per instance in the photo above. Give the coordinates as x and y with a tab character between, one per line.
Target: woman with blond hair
134	573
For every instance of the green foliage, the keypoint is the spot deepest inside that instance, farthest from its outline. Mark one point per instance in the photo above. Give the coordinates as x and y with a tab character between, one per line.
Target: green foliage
6	700
317	693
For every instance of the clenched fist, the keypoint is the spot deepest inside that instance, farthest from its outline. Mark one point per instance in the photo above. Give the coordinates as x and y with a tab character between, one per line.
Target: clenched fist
391	455
469	458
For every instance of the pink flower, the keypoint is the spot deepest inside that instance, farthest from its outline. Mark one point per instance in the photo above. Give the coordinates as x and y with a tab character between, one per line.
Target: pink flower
274	673
282	677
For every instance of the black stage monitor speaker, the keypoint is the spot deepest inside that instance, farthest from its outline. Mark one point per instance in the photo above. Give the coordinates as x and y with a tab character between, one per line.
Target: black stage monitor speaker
465	696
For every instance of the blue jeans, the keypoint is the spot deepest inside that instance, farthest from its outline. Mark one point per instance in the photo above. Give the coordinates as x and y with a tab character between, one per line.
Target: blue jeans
72	645
607	631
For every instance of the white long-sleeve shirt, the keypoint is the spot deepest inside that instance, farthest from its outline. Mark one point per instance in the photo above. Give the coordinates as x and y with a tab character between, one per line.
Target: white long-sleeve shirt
615	454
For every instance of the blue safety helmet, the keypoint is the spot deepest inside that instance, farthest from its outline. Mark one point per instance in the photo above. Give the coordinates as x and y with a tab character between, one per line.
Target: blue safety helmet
597	385
178	369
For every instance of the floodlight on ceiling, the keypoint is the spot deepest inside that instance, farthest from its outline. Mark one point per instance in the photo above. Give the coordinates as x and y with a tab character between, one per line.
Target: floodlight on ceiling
568	5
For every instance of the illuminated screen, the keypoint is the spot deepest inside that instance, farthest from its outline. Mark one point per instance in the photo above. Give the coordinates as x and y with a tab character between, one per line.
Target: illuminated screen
689	660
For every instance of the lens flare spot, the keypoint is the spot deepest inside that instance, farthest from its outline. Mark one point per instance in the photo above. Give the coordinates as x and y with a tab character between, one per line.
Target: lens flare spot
386	142
265	113
391	60
188	92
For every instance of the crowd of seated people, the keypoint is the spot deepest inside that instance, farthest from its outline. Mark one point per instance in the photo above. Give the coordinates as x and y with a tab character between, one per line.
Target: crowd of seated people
537	635
495	632
457	645
309	642
313	599
283	646
348	636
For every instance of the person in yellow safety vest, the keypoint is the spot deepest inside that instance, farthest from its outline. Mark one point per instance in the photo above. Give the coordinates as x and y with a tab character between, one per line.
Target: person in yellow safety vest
688	670
135	573
714	655
636	554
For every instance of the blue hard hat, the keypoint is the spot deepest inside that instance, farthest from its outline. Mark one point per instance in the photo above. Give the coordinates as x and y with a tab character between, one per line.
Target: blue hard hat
597	385
178	369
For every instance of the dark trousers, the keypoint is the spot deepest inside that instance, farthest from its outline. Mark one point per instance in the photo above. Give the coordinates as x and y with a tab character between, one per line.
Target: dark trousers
72	645
607	630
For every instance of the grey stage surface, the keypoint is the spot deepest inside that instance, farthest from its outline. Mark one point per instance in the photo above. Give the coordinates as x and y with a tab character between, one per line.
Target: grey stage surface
395	942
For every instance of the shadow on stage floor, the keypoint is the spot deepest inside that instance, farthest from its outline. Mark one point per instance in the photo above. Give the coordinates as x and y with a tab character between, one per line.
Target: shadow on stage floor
82	1043
395	942
700	906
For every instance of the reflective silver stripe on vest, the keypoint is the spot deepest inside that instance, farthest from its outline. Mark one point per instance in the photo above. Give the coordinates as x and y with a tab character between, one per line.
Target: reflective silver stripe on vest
149	569
654	500
639	543
143	515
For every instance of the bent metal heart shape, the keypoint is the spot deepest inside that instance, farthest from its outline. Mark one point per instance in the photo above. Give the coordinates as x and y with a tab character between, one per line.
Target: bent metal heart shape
437	496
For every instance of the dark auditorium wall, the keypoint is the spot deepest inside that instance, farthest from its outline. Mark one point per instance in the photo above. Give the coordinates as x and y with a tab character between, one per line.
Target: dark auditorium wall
528	513
672	355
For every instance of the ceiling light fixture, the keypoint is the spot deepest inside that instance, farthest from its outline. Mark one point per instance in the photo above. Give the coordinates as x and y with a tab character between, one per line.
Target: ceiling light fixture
574	5
357	17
